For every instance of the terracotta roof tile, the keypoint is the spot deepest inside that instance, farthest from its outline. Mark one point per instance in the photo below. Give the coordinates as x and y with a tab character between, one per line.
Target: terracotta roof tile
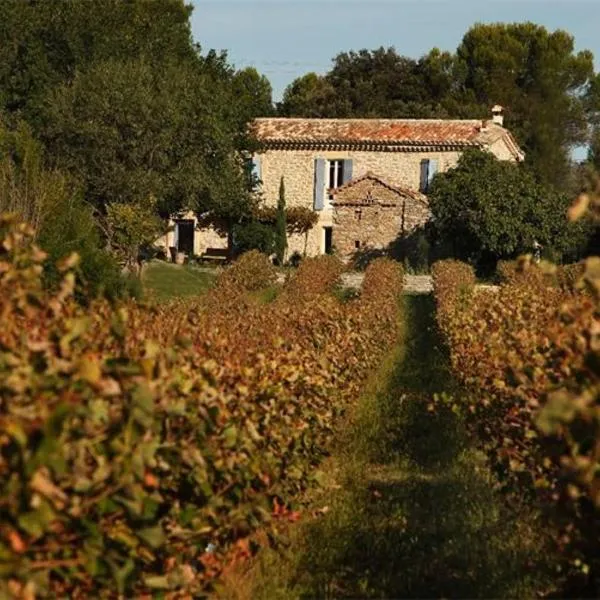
388	130
397	132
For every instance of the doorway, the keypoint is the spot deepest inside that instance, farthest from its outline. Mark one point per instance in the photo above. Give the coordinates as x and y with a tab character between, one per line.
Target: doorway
185	236
328	246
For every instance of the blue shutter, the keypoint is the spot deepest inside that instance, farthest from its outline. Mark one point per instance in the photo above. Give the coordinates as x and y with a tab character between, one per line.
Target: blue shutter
424	175
256	168
433	169
347	171
319	191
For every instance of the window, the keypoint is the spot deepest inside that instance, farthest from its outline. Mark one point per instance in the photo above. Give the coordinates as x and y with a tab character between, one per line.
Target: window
429	167
335	177
357	244
329	175
358	214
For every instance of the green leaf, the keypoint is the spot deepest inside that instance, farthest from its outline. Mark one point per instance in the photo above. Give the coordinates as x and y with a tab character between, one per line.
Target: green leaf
230	436
153	536
157	582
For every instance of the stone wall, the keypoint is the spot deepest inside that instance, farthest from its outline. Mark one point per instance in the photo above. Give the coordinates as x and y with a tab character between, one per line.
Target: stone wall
298	169
203	238
370	215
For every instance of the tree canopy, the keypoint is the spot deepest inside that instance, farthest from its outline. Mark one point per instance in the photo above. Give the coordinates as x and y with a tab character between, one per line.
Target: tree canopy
128	107
486	209
125	101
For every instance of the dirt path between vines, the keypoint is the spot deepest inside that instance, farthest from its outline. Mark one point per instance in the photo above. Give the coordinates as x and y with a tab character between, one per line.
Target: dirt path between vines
408	509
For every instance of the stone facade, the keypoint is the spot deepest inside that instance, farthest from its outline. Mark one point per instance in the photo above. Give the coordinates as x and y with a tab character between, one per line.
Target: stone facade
301	151
204	238
369	214
297	167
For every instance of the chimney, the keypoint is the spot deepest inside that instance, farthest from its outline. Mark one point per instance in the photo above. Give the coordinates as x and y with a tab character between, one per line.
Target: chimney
498	115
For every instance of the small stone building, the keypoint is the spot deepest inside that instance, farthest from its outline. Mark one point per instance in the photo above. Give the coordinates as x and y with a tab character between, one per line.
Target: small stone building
370	214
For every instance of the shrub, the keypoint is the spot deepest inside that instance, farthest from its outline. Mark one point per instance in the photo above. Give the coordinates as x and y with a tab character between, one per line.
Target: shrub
254	236
453	283
527	357
315	275
73	228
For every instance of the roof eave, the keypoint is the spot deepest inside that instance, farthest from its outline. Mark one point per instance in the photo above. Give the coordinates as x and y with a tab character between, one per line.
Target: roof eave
388	146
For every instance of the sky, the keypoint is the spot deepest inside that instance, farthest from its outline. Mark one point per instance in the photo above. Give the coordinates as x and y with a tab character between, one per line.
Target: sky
285	39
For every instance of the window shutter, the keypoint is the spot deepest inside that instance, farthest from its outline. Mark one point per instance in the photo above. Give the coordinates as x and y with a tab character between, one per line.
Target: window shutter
424	175
347	171
319	191
433	169
256	167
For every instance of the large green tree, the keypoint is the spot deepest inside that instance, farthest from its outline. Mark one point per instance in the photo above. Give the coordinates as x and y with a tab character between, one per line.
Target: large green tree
45	43
124	100
542	82
129	131
311	95
486	209
254	94
377	83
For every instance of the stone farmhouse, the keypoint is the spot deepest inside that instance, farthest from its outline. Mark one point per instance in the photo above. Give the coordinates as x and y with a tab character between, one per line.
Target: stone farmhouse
366	178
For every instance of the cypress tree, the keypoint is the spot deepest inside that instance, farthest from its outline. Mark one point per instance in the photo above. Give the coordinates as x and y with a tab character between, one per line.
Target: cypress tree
281	226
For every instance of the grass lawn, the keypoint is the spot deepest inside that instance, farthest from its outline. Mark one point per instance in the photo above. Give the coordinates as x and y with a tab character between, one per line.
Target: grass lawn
164	281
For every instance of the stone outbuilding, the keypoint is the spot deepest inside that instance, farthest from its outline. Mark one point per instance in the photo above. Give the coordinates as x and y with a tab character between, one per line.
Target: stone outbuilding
370	214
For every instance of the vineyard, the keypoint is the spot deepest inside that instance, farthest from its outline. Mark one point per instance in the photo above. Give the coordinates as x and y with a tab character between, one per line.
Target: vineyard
141	446
527	356
155	449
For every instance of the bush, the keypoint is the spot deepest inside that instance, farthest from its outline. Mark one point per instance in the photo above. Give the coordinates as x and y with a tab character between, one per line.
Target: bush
254	236
453	284
73	228
252	271
315	275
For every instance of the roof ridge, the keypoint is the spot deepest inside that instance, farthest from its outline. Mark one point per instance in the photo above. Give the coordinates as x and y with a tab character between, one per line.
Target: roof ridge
372	175
372	119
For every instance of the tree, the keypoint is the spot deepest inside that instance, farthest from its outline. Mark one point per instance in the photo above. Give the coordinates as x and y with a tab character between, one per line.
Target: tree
130	227
126	103
485	210
46	43
372	83
379	83
254	94
593	157
308	96
53	204
281	225
540	79
129	131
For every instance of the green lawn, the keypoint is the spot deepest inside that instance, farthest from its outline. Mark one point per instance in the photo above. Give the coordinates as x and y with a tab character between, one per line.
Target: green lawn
164	281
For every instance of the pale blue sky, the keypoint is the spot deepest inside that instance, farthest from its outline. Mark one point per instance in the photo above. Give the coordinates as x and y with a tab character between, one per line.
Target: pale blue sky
287	38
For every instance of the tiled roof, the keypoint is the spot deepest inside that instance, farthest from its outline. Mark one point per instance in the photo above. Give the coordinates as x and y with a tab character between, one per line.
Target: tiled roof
387	132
